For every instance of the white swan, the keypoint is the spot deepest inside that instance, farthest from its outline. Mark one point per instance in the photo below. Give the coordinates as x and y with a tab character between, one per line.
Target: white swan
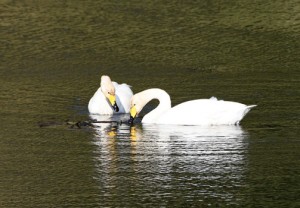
195	112
110	98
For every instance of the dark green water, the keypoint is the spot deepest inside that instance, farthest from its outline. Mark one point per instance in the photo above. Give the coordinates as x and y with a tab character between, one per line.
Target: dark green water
53	54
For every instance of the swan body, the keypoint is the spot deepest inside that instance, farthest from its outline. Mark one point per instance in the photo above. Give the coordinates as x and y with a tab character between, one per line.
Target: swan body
103	102
195	112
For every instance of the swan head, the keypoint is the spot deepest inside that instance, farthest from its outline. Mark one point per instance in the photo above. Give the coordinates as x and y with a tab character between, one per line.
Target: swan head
136	105
108	90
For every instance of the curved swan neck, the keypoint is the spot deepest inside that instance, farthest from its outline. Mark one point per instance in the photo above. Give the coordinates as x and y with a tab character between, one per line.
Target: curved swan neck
164	103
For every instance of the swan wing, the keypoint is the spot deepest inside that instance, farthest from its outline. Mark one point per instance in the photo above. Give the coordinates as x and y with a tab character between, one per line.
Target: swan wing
205	112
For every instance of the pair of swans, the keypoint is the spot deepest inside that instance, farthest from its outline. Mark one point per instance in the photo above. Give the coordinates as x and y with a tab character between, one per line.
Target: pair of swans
113	98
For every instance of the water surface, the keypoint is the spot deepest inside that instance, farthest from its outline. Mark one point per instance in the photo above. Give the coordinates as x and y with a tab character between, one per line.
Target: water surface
52	57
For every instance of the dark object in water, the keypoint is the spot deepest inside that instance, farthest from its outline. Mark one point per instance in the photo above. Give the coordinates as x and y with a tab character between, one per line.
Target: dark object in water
74	124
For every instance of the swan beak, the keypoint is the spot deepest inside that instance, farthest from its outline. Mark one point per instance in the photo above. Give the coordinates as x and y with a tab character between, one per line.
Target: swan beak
132	114
112	100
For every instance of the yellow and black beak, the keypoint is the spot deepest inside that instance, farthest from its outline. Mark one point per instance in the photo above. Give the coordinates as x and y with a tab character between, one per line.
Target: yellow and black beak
133	114
112	100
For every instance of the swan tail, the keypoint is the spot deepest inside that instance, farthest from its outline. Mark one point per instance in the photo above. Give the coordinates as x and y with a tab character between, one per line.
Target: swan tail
248	108
251	106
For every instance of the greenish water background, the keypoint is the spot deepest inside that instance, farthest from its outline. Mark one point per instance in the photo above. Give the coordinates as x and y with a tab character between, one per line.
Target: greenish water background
53	54
261	35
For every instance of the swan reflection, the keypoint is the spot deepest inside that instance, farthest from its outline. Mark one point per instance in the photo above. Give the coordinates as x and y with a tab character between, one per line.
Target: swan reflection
169	157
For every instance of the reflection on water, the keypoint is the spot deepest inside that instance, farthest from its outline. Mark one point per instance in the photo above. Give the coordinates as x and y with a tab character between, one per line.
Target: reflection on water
197	162
53	54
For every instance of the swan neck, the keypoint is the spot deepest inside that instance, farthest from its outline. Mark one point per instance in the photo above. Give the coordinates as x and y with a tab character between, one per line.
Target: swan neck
164	104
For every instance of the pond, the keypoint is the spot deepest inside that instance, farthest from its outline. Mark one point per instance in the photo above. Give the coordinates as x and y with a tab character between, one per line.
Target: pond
54	55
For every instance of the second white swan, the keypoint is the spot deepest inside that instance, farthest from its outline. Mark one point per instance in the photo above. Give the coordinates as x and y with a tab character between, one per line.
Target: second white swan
194	112
110	98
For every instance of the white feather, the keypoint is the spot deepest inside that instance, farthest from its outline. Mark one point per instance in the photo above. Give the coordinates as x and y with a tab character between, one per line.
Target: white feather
99	104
